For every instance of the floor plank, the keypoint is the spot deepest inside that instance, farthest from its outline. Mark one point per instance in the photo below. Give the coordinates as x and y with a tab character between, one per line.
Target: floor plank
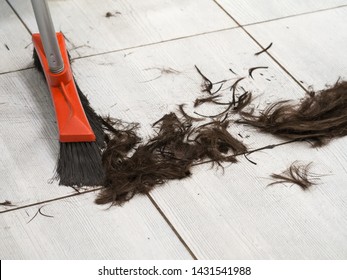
15	52
250	12
29	141
309	47
232	214
132	23
75	228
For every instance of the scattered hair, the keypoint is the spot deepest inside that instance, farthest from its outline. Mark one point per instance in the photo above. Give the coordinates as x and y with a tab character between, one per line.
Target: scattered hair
233	89
184	114
319	117
163	71
109	14
264	50
243	101
251	70
298	174
206	85
235	106
231	70
209	99
6	203
39	211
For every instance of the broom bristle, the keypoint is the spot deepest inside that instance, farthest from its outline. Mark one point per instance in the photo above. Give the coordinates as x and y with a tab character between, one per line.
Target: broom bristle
79	163
37	62
94	119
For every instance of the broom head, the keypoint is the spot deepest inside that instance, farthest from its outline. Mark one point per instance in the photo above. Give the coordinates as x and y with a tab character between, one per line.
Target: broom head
79	162
73	124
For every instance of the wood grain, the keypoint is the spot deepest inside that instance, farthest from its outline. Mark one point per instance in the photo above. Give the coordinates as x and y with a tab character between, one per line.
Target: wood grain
75	228
310	47
250	11
15	52
132	23
29	140
232	214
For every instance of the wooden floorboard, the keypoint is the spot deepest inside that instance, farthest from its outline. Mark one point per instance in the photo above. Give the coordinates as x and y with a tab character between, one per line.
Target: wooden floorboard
15	50
310	47
250	12
29	140
232	214
75	228
132	23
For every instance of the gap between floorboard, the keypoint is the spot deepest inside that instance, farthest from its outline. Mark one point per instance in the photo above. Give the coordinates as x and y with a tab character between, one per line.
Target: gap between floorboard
180	238
296	15
260	45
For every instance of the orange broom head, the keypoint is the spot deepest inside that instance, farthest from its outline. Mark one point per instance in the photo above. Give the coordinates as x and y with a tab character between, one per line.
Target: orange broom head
72	122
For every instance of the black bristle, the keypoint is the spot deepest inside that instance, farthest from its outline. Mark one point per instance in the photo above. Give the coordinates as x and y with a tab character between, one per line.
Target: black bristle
37	62
79	163
94	119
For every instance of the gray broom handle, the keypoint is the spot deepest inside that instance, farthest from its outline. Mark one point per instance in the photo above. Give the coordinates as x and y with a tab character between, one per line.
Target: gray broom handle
48	36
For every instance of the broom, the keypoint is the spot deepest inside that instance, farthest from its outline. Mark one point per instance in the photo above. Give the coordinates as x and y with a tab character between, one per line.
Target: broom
80	129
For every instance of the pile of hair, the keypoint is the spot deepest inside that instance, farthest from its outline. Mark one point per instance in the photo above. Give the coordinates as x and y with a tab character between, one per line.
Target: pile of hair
181	141
319	117
168	155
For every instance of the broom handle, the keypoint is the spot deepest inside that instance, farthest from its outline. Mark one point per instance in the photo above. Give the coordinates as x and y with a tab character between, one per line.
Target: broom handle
48	36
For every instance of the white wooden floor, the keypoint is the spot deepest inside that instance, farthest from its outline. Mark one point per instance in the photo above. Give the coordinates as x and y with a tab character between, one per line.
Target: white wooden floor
117	63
